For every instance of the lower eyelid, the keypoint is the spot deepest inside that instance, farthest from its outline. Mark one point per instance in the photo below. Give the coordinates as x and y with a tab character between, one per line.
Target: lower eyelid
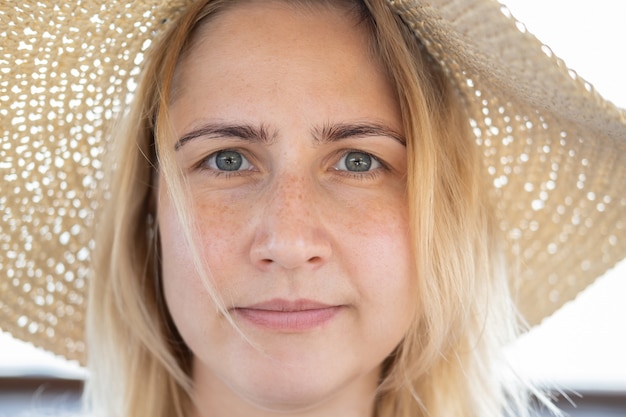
361	176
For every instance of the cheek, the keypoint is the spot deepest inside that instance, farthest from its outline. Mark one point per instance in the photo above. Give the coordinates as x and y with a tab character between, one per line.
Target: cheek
180	286
380	228
378	258
377	251
224	238
219	236
187	290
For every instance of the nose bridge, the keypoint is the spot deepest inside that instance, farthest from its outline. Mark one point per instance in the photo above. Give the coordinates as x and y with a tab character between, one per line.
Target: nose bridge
291	200
290	233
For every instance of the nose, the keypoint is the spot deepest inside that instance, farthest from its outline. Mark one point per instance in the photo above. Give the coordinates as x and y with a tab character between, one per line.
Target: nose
291	231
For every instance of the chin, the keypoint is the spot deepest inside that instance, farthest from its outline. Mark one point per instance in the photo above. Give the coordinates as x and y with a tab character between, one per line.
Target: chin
292	391
298	393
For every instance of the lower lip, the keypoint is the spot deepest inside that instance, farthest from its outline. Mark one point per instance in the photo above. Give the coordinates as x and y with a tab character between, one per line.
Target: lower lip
288	321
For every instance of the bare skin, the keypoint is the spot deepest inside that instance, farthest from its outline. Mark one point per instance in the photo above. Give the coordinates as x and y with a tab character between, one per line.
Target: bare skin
291	139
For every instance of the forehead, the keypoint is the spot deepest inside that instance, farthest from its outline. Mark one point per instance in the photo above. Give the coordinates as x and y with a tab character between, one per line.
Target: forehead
253	15
249	29
277	65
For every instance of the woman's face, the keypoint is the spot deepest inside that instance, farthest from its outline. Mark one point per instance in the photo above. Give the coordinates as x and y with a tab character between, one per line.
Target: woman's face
290	137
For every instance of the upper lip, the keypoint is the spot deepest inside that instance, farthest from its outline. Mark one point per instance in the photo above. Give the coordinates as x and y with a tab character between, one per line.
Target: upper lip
279	304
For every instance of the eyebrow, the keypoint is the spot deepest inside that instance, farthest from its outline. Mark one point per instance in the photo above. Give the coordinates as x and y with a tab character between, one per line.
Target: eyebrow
226	130
326	134
336	132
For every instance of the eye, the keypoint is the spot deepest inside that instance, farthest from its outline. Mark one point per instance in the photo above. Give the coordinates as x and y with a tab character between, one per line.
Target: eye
356	161
227	160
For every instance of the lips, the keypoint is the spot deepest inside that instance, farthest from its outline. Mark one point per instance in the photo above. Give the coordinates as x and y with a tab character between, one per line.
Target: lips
288	316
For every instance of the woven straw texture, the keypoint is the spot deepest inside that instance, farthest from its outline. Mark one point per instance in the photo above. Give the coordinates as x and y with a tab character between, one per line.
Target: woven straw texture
554	150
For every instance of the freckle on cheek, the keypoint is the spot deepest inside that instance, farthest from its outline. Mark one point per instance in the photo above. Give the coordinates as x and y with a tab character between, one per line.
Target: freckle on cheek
218	226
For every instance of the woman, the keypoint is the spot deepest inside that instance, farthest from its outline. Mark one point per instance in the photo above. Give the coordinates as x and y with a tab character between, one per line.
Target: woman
300	152
297	224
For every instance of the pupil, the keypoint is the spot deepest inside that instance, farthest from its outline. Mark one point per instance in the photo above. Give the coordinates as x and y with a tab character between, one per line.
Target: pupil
229	160
358	161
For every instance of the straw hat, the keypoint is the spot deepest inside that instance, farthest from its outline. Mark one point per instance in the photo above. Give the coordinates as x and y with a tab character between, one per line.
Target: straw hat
555	151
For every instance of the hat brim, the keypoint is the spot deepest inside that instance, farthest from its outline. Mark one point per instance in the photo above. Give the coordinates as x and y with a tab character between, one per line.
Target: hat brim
555	150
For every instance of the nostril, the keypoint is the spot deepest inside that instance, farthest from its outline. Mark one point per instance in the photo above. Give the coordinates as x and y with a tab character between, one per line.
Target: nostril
315	260
290	250
289	263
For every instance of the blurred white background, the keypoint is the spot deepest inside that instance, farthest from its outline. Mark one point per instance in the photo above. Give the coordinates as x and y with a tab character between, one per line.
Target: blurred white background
584	344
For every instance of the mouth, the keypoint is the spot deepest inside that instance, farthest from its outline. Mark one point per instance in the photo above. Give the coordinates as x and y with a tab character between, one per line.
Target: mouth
288	316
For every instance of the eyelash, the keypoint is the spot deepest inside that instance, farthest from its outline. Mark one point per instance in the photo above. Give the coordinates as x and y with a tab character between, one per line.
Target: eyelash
359	175
202	165
371	174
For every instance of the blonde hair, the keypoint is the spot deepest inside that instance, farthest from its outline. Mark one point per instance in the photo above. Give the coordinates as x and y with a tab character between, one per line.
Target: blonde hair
450	362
